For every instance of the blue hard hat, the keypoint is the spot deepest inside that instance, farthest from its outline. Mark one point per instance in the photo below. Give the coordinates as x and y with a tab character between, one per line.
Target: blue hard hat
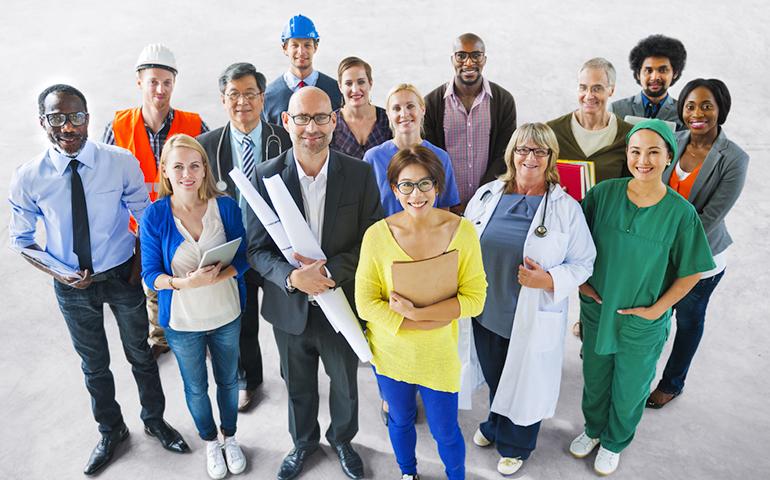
299	26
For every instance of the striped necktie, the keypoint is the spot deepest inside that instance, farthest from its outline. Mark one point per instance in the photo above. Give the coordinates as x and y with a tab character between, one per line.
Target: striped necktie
248	157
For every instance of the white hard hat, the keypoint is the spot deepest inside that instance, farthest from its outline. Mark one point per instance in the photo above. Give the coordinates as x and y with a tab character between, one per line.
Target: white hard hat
156	55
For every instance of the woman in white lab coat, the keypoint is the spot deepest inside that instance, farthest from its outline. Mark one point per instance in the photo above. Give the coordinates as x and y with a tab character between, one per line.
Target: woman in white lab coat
537	250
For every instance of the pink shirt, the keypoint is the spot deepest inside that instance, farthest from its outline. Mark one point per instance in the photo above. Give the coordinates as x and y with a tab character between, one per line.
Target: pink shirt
467	138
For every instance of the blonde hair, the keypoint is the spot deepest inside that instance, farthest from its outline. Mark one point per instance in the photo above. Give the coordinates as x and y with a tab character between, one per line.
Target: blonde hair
208	188
404	87
542	135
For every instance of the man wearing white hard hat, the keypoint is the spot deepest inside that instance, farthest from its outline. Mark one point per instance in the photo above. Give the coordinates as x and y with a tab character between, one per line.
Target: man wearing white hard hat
143	130
299	41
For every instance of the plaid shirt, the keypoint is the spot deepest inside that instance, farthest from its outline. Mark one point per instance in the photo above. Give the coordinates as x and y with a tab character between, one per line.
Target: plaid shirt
156	139
467	138
344	141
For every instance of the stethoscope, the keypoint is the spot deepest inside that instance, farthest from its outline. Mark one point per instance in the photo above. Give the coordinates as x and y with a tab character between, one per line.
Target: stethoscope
540	231
271	139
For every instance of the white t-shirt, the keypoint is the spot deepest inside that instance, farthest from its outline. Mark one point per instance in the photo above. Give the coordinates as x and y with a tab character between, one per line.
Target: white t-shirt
591	141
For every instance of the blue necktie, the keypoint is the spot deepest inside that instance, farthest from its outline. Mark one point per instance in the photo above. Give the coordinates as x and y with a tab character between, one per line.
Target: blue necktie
248	157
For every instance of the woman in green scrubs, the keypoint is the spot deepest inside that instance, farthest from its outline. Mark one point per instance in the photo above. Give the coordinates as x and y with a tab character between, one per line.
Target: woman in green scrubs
650	251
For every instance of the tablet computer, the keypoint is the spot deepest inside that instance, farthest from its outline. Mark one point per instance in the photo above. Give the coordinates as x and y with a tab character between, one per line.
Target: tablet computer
223	253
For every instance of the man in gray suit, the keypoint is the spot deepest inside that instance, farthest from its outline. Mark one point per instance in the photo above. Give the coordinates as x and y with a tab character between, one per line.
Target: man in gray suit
657	62
339	199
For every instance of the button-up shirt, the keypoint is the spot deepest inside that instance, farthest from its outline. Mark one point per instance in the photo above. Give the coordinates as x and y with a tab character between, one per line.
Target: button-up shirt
314	201
292	81
467	137
236	145
655	106
113	185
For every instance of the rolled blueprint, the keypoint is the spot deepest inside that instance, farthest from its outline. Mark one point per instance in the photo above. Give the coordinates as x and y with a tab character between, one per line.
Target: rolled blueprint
292	234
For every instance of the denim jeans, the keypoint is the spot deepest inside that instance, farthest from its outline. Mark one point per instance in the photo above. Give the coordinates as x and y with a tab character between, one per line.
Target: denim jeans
441	410
83	312
190	351
690	317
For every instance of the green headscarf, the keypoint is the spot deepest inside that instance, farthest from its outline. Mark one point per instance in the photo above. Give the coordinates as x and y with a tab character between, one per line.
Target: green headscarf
659	127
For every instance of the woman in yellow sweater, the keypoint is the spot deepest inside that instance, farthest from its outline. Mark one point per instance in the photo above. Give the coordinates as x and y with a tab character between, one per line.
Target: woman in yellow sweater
415	349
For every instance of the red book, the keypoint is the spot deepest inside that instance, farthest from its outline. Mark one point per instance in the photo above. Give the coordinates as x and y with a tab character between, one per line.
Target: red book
573	179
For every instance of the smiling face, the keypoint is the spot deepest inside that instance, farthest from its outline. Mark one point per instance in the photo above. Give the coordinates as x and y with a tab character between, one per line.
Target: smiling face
157	85
647	156
69	138
244	113
593	90
417	203
700	111
355	86
185	170
300	52
311	138
530	168
468	72
655	76
405	112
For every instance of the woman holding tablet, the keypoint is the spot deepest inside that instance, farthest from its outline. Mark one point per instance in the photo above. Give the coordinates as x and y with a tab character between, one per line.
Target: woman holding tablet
199	308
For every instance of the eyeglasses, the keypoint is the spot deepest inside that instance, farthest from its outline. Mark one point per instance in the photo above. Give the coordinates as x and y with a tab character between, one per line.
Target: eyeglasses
234	96
304	119
59	119
597	89
476	57
539	152
424	185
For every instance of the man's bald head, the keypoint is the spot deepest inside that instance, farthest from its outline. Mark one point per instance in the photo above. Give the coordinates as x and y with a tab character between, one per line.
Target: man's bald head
310	122
308	96
468	39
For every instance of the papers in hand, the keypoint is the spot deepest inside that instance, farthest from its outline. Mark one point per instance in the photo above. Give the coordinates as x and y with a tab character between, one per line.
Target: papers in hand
46	260
429	281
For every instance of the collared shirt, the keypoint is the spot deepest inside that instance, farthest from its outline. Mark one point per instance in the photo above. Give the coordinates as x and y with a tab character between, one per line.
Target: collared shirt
314	197
345	141
113	185
467	137
292	81
156	139
655	106
236	145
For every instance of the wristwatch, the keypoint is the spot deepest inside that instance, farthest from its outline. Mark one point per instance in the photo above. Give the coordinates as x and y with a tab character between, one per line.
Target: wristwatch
289	287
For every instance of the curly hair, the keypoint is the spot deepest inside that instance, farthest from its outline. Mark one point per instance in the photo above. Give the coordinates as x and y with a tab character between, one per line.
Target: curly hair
658	46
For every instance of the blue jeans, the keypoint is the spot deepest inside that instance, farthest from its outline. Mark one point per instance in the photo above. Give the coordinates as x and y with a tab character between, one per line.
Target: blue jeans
190	351
690	318
83	312
441	410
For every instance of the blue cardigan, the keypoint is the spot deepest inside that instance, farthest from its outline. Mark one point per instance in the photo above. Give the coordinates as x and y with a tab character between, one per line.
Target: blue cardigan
160	238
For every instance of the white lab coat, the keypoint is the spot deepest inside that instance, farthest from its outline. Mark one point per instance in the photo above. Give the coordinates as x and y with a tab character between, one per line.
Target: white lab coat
529	385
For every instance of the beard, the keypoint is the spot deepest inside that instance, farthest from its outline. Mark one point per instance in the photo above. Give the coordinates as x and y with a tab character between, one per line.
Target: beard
655	94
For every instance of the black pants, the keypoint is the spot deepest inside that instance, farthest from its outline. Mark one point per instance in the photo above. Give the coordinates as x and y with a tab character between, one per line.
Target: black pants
299	366
250	362
510	439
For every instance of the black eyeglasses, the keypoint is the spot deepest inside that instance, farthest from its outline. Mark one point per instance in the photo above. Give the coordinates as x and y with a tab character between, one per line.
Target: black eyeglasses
234	96
539	152
475	56
59	119
304	119
424	185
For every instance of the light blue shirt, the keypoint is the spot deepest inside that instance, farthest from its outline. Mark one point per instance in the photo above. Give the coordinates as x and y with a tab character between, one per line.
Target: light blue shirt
292	81
236	144
113	185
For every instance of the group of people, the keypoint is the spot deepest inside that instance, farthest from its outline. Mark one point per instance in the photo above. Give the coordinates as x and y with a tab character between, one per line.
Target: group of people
421	177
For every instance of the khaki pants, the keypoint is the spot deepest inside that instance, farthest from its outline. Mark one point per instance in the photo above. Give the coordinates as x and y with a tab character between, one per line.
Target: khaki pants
157	336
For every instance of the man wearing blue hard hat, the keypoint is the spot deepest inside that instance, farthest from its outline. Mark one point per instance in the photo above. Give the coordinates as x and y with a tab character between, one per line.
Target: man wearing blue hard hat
299	41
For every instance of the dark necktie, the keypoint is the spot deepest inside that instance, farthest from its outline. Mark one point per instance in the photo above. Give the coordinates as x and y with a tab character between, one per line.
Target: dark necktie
81	236
649	110
248	157
301	84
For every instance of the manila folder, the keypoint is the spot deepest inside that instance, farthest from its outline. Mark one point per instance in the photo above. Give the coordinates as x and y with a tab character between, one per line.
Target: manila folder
425	282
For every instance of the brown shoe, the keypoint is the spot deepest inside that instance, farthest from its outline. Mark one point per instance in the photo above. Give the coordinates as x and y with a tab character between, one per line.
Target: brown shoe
247	399
659	398
158	350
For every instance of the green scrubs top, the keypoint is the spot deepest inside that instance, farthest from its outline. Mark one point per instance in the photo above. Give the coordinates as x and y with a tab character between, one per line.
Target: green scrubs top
640	252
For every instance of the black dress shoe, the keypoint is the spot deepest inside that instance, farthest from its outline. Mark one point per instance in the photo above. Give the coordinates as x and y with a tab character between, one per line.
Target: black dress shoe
167	436
350	461
158	350
292	464
102	453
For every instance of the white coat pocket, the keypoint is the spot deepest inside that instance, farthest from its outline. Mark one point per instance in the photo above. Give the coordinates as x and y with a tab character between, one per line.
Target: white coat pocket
548	331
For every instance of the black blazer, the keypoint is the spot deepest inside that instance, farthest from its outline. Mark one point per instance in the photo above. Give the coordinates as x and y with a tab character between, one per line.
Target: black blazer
352	205
217	144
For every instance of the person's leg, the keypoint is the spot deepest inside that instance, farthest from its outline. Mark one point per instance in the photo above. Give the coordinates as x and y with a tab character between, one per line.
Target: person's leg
83	312
156	335
441	411
223	345
127	303
597	384
492	350
299	368
690	318
523	440
250	361
190	351
403	410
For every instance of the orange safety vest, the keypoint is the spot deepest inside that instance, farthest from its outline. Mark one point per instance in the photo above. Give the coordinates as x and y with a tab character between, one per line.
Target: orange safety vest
130	133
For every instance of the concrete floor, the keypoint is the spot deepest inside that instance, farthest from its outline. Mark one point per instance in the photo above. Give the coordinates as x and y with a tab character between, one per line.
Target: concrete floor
718	429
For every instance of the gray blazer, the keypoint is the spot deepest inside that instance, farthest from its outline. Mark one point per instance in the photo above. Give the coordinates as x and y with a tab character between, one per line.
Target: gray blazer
717	187
352	205
635	106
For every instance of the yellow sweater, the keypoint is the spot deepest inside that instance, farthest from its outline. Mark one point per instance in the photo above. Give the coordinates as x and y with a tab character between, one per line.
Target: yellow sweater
421	357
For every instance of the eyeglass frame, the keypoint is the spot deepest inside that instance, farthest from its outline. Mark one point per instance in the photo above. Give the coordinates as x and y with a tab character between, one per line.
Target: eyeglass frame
68	117
596	89
468	55
238	95
416	184
314	118
519	150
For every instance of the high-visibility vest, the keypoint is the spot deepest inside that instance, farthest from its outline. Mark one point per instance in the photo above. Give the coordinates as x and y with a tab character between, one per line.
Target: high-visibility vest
130	133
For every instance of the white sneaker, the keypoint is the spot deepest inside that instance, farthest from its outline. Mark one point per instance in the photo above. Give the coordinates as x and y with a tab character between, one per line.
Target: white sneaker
407	476
236	461
215	462
606	462
582	445
480	440
509	466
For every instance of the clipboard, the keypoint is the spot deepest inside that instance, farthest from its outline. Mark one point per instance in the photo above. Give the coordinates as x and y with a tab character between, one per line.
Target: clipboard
425	282
223	253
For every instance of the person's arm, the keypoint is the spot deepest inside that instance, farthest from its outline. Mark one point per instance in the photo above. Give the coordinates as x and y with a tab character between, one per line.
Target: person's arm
108	136
135	197
675	292
726	193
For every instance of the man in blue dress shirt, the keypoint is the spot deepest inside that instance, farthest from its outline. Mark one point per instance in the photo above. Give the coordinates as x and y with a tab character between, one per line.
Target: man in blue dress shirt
83	192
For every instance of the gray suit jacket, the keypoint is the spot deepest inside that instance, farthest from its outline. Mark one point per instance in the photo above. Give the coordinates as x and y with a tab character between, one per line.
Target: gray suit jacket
352	205
635	106
717	187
